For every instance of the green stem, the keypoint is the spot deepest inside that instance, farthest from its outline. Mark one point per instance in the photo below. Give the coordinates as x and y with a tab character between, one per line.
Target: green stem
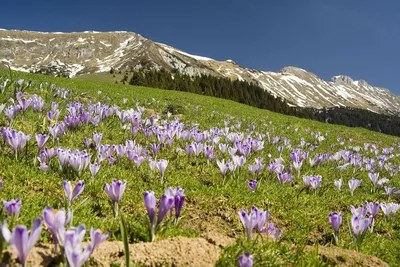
72	215
125	241
152	232
336	235
115	209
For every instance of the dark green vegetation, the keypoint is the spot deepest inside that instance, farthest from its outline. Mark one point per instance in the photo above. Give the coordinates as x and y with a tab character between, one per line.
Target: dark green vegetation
253	95
301	214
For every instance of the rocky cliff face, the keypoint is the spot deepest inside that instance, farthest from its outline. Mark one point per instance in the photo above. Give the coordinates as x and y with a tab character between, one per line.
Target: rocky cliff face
71	54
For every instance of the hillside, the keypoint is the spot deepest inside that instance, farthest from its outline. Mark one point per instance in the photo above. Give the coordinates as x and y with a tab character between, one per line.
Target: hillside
71	54
133	128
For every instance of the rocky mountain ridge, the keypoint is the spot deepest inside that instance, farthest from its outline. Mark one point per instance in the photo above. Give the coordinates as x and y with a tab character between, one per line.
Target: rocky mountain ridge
72	54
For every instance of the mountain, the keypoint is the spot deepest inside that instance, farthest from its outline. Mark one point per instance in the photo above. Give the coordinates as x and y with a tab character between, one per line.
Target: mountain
71	54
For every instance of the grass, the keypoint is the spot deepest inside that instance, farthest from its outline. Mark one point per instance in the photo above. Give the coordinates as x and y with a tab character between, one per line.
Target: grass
301	213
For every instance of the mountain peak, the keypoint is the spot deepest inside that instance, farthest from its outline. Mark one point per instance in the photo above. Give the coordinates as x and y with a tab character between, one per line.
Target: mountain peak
292	70
342	79
71	54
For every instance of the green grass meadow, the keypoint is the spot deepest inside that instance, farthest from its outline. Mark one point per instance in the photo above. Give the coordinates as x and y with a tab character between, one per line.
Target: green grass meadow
301	213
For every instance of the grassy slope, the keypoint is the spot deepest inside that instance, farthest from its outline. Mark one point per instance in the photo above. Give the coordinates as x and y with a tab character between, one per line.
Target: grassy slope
301	214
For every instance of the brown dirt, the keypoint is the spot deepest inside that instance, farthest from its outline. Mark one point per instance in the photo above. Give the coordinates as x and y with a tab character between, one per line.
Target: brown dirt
343	257
179	251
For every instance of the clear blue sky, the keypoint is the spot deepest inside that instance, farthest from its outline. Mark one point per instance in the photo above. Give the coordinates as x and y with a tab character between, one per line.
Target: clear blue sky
359	38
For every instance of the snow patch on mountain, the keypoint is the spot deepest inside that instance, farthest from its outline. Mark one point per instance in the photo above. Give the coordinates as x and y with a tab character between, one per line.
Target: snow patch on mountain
17	40
172	50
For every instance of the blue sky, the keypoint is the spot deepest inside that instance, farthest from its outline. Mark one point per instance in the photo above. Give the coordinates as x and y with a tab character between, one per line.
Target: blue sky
359	38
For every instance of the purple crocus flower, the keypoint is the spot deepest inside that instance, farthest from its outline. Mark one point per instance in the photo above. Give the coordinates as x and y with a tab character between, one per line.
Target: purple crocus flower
95	120
298	156
155	148
162	164
53	114
179	198
239	161
17	140
373	176
209	153
189	150
353	184
273	231
382	181
252	168
97	138
262	218
97	237
338	184
249	220
23	102
152	163
115	190
87	142
391	190
49	152
111	160
147	132
19	239
223	167
121	151
223	147
389	208
12	207
315	181
360	224
41	139
335	219
10	113
166	203
284	177
134	130
94	168
197	148
150	202
275	167
72	242
360	211
42	163
73	190
138	160
56	221
246	260
252	185
372	208
306	180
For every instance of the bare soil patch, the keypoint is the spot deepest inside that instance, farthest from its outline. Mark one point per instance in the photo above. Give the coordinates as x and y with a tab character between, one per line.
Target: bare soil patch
343	257
178	251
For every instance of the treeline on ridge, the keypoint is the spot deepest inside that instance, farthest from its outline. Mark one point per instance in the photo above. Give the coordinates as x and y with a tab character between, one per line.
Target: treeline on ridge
253	95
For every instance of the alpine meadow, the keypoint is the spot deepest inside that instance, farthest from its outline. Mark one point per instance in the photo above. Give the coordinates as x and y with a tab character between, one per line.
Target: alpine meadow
95	173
